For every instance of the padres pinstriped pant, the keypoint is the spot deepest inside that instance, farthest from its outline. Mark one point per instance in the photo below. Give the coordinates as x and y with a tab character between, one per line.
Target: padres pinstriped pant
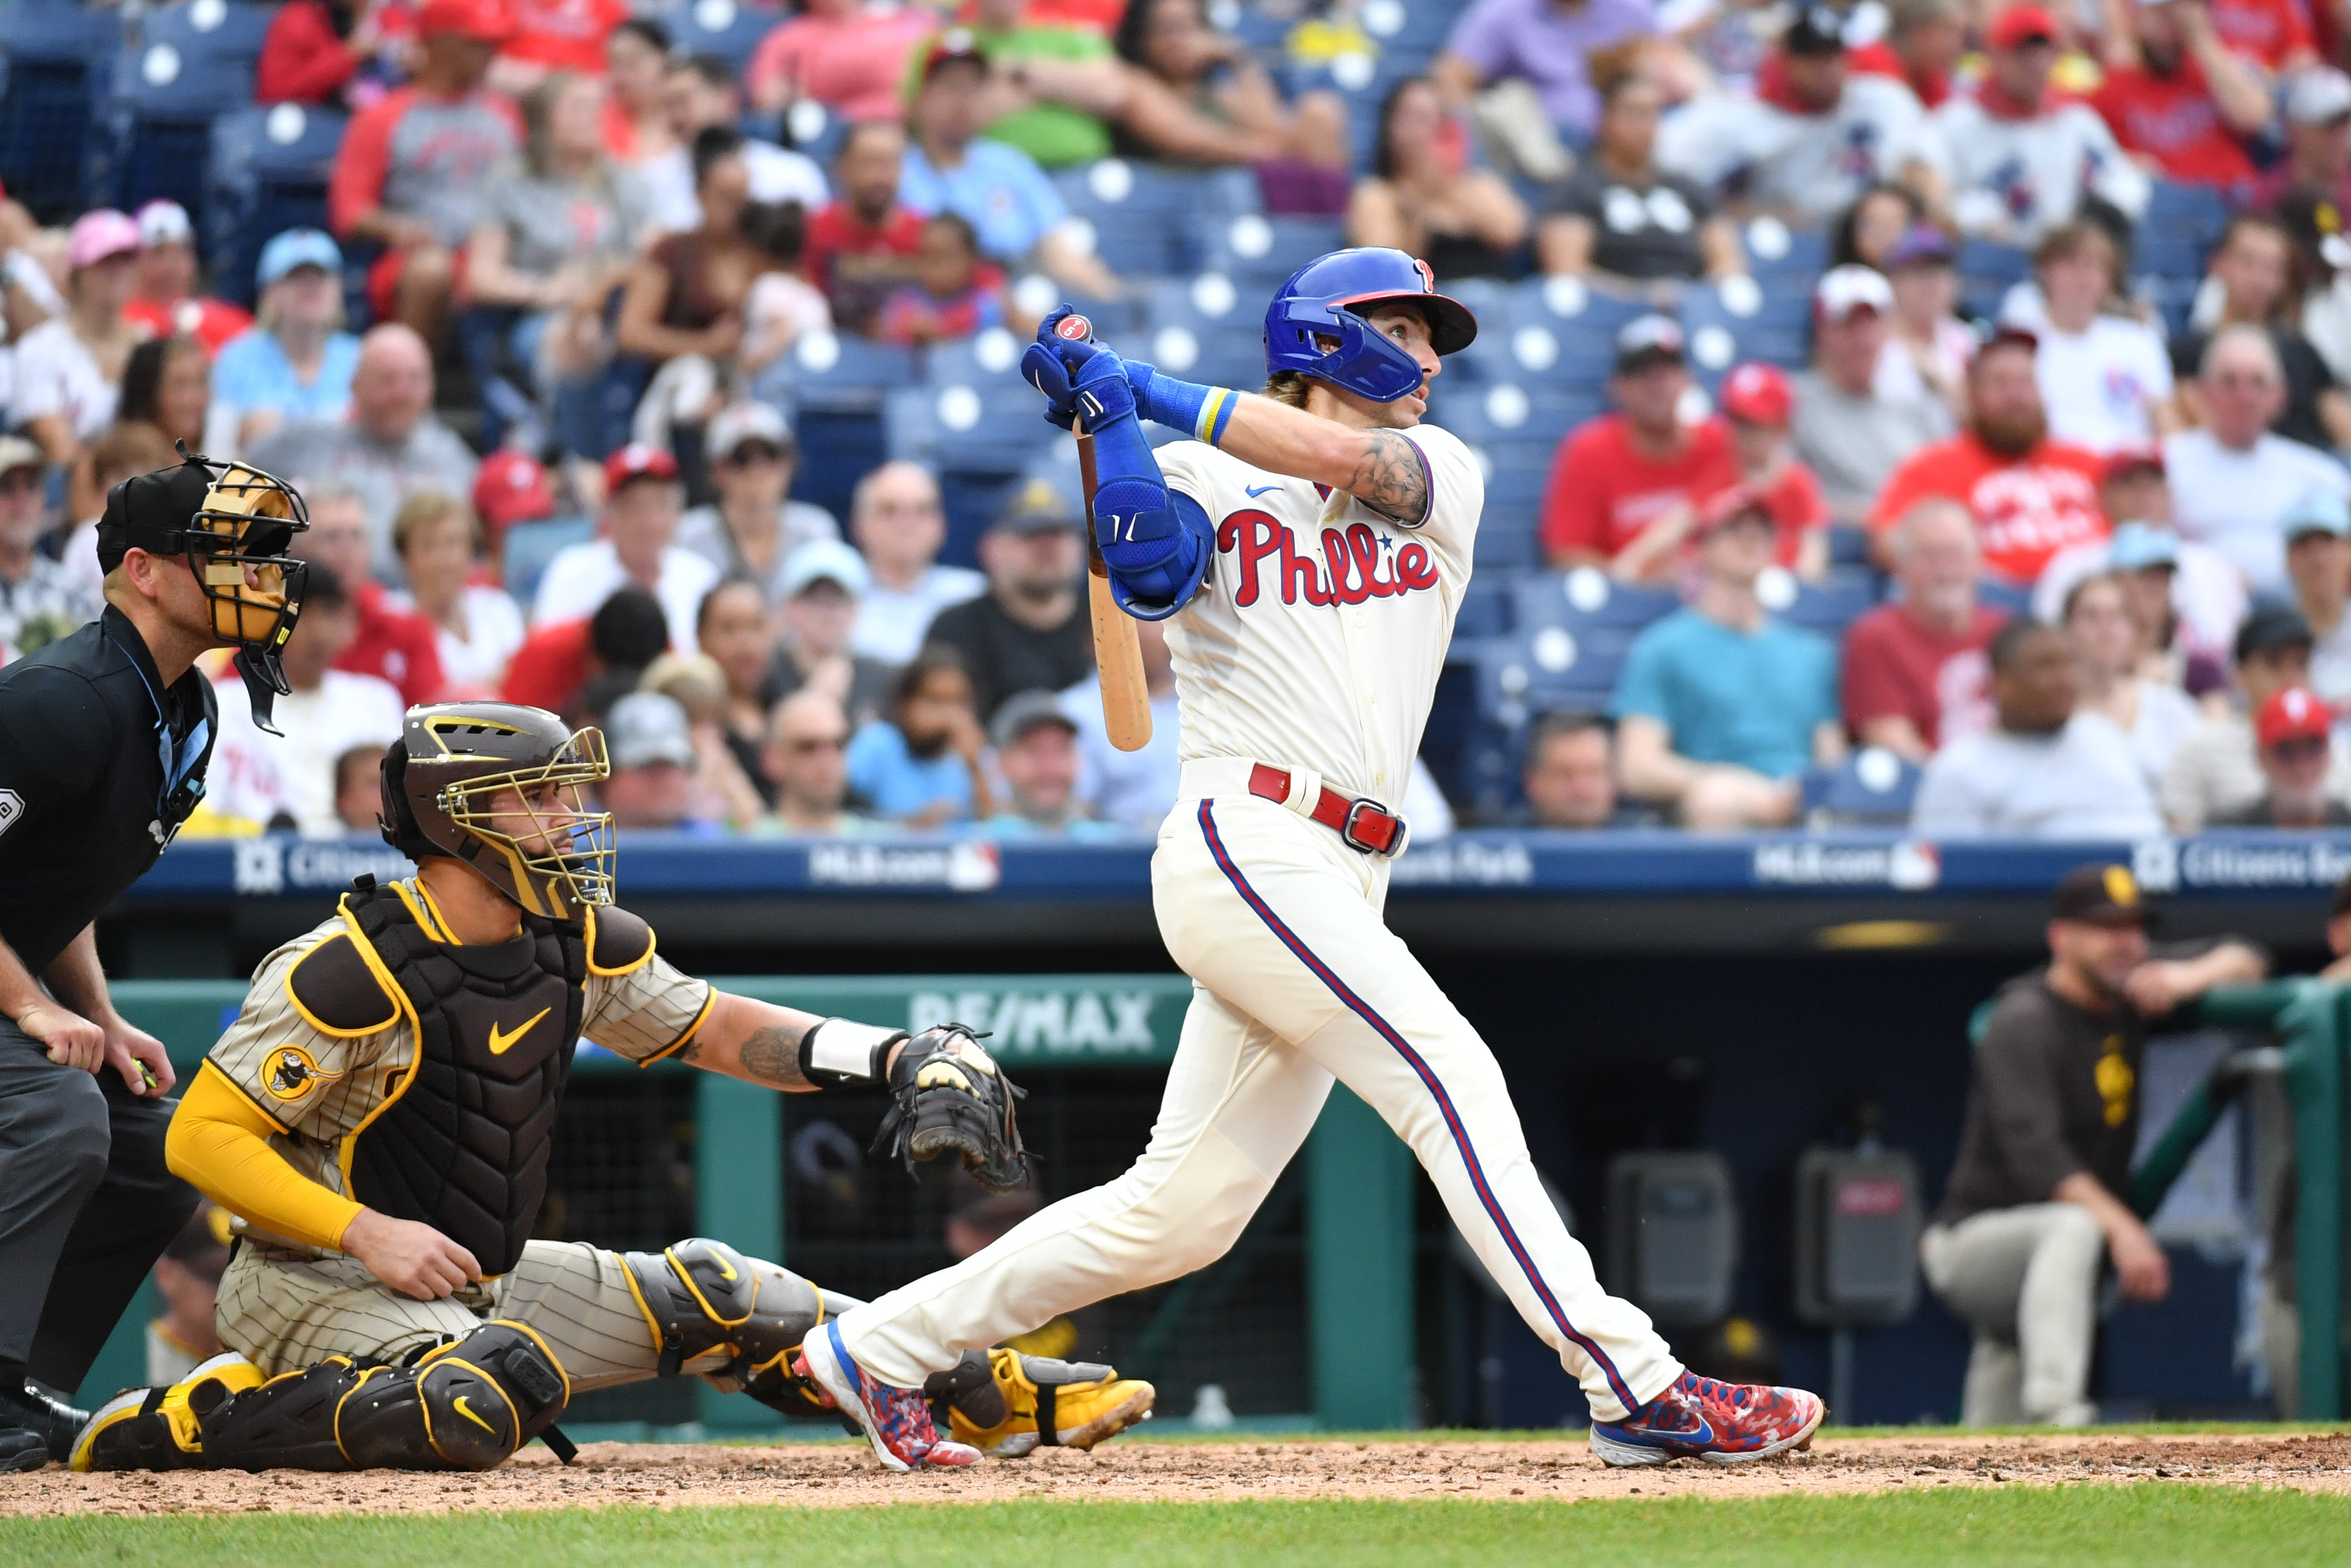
1298	983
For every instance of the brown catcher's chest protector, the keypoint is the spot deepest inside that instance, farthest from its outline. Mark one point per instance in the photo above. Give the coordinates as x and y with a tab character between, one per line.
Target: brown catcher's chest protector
462	1144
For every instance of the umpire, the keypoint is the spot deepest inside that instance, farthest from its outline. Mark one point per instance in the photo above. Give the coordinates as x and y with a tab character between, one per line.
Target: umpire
104	736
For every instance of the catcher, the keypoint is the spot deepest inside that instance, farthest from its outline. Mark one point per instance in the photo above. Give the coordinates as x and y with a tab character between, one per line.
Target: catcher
379	1118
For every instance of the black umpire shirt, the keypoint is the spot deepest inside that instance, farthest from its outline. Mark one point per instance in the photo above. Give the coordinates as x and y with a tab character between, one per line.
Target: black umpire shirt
2054	1091
82	813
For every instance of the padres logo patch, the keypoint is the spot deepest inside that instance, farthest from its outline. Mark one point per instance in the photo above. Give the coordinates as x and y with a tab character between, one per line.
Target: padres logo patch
293	1073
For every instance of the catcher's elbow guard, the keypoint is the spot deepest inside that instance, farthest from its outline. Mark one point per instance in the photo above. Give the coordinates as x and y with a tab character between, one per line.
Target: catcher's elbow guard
841	1053
948	1096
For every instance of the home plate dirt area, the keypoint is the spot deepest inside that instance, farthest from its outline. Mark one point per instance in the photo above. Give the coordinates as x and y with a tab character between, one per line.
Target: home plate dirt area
1146	1470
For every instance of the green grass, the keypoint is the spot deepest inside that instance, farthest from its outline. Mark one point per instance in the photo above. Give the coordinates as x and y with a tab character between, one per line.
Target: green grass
2143	1526
1154	1433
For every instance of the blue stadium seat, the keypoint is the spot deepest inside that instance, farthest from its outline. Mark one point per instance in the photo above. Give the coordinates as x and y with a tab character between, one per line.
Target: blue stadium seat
209	34
1987	271
1827	607
1582	324
809	127
167	93
833	373
1775	250
1258	252
1848	546
1872	788
1588	599
57	59
1722	336
986	360
2194	213
1504	413
728	29
529	547
268	173
1485	610
961	428
2009	598
2180	258
1145	218
1548	669
1508	538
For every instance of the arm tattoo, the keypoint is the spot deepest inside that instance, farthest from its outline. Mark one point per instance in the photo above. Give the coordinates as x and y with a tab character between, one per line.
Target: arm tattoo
1391	479
771	1056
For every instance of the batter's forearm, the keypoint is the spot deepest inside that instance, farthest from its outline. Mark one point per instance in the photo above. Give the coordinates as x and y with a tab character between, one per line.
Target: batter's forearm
1381	468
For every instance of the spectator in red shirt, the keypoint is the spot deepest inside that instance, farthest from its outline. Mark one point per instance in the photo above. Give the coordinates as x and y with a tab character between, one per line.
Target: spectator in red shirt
1757	403
2184	105
1916	673
2275	35
313	50
558	36
861	246
2031	496
1626	488
955	292
555	662
166	300
395	644
413	167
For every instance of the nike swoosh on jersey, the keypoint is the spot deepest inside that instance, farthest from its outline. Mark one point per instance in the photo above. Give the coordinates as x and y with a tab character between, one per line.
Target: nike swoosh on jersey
501	1042
1253	491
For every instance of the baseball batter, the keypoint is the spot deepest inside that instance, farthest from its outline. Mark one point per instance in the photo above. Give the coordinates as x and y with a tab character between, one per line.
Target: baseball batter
1309	549
379	1116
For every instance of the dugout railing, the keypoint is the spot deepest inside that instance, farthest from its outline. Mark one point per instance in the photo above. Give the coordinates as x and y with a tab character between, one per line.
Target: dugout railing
1308	1320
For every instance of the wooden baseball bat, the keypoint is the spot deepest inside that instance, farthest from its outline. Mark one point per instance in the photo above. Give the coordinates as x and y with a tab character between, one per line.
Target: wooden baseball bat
1118	655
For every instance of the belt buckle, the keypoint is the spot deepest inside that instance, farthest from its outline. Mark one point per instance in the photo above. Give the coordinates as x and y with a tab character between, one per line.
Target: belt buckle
1348	835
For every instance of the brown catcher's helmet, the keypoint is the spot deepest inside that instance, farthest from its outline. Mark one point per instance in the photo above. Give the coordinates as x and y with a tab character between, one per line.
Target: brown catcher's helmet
233	522
553	856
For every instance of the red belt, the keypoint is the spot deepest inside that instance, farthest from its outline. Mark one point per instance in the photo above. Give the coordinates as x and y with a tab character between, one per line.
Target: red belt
1364	825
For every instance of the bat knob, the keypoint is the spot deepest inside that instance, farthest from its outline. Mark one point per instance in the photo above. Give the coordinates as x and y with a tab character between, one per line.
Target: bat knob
1076	328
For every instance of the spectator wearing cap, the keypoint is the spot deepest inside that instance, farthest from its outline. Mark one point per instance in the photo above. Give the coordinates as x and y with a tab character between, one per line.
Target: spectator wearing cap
510	487
1625	488
1915	675
860	246
1619	216
807	759
1135	789
1850	429
2194	611
188	1276
2216	770
1036	748
2047	768
390	640
2254	264
392	447
2293	743
41	599
550	35
999	190
69	370
2031	496
919	765
1420	199
846	56
559	662
2111	649
476	625
1029	630
1927	347
166	301
1721	707
2021	156
824	586
1052	86
2105	381
650	743
2317	163
1814	136
2317	529
257	779
2183	100
754	527
1541	44
1569	778
2036	1206
639	546
2232	478
414	166
295	364
316	49
1757	404
897	521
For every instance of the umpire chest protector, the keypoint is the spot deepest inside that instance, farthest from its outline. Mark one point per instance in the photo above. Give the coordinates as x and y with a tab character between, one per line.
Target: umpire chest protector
461	1141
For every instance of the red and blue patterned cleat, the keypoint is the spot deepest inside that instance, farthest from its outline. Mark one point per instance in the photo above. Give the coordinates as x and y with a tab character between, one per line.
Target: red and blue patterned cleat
896	1421
1721	1423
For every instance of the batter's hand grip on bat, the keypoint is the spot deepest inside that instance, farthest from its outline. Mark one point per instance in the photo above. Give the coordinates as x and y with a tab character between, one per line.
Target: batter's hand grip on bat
1118	652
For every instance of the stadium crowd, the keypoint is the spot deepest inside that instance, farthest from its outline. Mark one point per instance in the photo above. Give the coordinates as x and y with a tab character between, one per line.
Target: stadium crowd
1941	404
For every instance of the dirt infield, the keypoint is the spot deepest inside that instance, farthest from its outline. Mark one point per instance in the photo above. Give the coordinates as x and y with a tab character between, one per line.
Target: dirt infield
841	1475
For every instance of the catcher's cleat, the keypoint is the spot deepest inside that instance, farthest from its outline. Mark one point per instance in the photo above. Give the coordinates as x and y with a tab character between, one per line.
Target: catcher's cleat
161	1428
896	1421
1052	1404
1720	1423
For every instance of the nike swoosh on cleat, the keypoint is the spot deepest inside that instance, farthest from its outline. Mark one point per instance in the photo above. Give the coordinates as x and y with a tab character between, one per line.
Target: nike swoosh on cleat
1253	491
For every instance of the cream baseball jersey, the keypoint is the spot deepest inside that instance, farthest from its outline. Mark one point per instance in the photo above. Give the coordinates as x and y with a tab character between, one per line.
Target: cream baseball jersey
1317	640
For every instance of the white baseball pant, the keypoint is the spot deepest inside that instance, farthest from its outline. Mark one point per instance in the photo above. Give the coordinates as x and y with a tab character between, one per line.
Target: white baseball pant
1297	982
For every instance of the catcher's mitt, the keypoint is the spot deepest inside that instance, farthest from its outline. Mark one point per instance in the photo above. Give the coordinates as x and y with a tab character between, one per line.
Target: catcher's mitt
951	1098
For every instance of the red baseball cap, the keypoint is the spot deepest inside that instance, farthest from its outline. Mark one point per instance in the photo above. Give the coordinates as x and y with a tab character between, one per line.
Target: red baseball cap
636	461
2129	458
486	21
511	487
1758	393
2021	25
2294	714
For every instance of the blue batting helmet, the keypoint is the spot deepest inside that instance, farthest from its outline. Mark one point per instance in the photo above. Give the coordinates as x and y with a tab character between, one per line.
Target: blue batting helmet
1330	298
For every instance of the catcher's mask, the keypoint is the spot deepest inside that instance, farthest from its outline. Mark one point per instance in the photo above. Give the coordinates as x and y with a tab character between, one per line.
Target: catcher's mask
233	523
543	847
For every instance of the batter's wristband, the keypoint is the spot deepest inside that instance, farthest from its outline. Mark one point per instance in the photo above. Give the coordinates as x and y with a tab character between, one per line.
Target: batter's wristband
1187	406
838	1053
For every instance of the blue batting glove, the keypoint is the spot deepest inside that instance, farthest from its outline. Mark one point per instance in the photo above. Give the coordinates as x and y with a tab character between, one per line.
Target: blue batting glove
1043	369
1100	390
